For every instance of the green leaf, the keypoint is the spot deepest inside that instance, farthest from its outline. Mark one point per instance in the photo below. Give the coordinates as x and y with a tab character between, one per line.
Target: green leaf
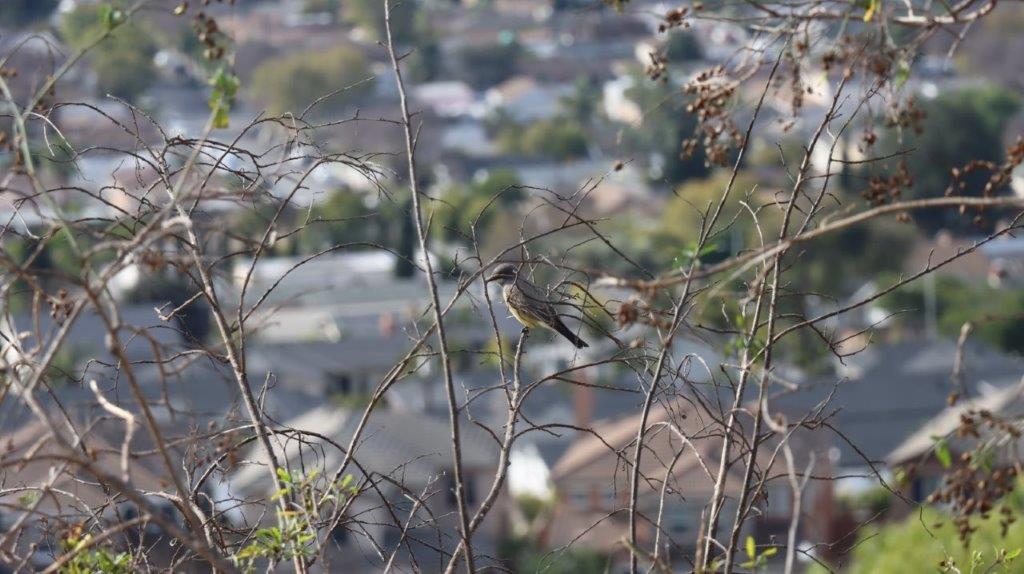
225	87
112	17
284	475
29	498
869	14
942	452
769	552
1013	554
902	73
751	547
220	117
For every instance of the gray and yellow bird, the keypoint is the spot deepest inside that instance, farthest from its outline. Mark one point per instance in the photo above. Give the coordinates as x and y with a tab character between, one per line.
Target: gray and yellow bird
530	305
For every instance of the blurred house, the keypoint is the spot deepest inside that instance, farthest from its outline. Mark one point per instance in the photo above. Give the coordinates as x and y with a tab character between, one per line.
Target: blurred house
525	100
995	411
885	393
677	469
43	488
617	104
447	99
467	137
86	339
402	458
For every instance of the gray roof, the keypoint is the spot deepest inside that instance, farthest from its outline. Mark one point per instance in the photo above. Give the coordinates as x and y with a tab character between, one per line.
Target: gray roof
409	447
892	389
86	339
1005	402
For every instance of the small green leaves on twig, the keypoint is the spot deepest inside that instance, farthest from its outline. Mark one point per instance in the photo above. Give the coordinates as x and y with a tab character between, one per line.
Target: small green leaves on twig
942	451
112	17
225	88
755	559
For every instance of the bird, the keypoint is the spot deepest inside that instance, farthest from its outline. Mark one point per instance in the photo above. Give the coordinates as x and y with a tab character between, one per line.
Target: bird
529	305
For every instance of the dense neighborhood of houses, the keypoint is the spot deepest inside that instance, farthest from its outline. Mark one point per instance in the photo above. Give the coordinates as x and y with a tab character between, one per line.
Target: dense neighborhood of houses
333	327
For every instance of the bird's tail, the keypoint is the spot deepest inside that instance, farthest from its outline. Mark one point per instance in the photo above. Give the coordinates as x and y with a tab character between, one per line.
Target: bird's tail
565	332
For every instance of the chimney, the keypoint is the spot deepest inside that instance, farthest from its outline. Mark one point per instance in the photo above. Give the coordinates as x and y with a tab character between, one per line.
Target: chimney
386	325
583	401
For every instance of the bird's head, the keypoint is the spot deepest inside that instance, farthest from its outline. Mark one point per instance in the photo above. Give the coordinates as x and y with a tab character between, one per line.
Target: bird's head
503	274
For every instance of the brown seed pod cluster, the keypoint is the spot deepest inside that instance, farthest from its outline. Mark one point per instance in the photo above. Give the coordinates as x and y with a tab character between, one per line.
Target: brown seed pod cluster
978	479
712	92
60	306
883	189
1001	173
638	311
676	17
207	31
657	68
906	115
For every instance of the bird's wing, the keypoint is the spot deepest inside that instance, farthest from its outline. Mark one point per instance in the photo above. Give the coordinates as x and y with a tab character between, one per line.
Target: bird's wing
537	302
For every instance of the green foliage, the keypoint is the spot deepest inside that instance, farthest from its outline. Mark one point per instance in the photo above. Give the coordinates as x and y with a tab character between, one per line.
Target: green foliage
532	506
665	126
462	204
757	559
559	139
869	503
522	555
342	218
22	12
99	560
222	96
92	560
942	451
677	232
57	256
123	62
921	543
581	106
960	126
322	7
295	533
995	313
861	259
369	15
291	83
425	62
683	46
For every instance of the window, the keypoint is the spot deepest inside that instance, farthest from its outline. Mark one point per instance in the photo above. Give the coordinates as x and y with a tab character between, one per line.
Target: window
341	383
780	502
610	500
468	486
679	520
580	497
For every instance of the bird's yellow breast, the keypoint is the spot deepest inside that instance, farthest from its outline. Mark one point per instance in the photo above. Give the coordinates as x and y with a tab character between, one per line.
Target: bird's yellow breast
522	315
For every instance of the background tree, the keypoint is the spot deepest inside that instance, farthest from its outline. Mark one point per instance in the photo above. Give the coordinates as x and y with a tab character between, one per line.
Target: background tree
683	46
285	83
488	65
369	16
558	139
462	204
958	125
658	141
123	64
